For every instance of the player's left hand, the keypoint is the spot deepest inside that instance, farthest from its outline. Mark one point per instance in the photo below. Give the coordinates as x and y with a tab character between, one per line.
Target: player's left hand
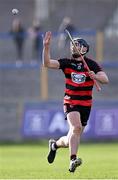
92	74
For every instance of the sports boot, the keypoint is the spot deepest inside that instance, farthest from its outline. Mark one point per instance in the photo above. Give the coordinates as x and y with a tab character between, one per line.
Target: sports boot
52	151
74	164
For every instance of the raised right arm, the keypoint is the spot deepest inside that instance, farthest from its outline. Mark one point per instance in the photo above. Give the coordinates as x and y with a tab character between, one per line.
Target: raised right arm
47	61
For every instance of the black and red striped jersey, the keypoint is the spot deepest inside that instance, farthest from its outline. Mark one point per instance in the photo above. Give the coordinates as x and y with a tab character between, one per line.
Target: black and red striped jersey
78	84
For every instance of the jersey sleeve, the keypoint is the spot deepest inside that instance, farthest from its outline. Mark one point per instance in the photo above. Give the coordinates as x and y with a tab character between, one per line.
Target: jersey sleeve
63	63
96	67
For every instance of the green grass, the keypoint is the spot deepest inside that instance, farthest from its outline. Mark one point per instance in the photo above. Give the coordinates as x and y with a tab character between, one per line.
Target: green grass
100	161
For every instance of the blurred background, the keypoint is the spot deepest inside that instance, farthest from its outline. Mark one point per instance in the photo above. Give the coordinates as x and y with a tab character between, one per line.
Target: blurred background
31	97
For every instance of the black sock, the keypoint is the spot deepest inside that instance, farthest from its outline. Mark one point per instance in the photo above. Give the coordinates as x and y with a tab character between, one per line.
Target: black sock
54	146
73	157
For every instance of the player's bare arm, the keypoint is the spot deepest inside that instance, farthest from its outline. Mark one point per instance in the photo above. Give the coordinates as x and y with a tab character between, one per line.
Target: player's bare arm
47	61
100	77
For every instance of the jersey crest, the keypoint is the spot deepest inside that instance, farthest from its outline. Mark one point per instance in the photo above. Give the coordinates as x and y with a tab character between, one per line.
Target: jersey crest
78	78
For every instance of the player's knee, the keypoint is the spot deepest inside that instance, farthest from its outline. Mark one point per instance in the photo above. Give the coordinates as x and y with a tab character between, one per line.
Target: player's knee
77	129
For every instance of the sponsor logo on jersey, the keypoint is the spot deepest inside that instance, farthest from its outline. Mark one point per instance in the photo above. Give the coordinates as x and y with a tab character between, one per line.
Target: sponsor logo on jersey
78	78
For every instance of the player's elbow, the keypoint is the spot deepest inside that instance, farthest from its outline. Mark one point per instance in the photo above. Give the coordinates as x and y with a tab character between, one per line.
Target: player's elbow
105	80
102	78
46	64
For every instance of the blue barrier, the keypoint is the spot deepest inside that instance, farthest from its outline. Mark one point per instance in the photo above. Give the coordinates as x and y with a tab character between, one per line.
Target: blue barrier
43	121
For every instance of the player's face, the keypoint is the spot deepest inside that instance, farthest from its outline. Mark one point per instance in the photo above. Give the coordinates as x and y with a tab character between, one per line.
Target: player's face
82	49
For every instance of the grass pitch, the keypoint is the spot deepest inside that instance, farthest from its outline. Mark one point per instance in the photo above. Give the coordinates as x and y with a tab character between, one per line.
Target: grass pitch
100	161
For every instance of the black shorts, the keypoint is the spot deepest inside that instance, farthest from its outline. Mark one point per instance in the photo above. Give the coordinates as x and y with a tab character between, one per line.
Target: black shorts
83	110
